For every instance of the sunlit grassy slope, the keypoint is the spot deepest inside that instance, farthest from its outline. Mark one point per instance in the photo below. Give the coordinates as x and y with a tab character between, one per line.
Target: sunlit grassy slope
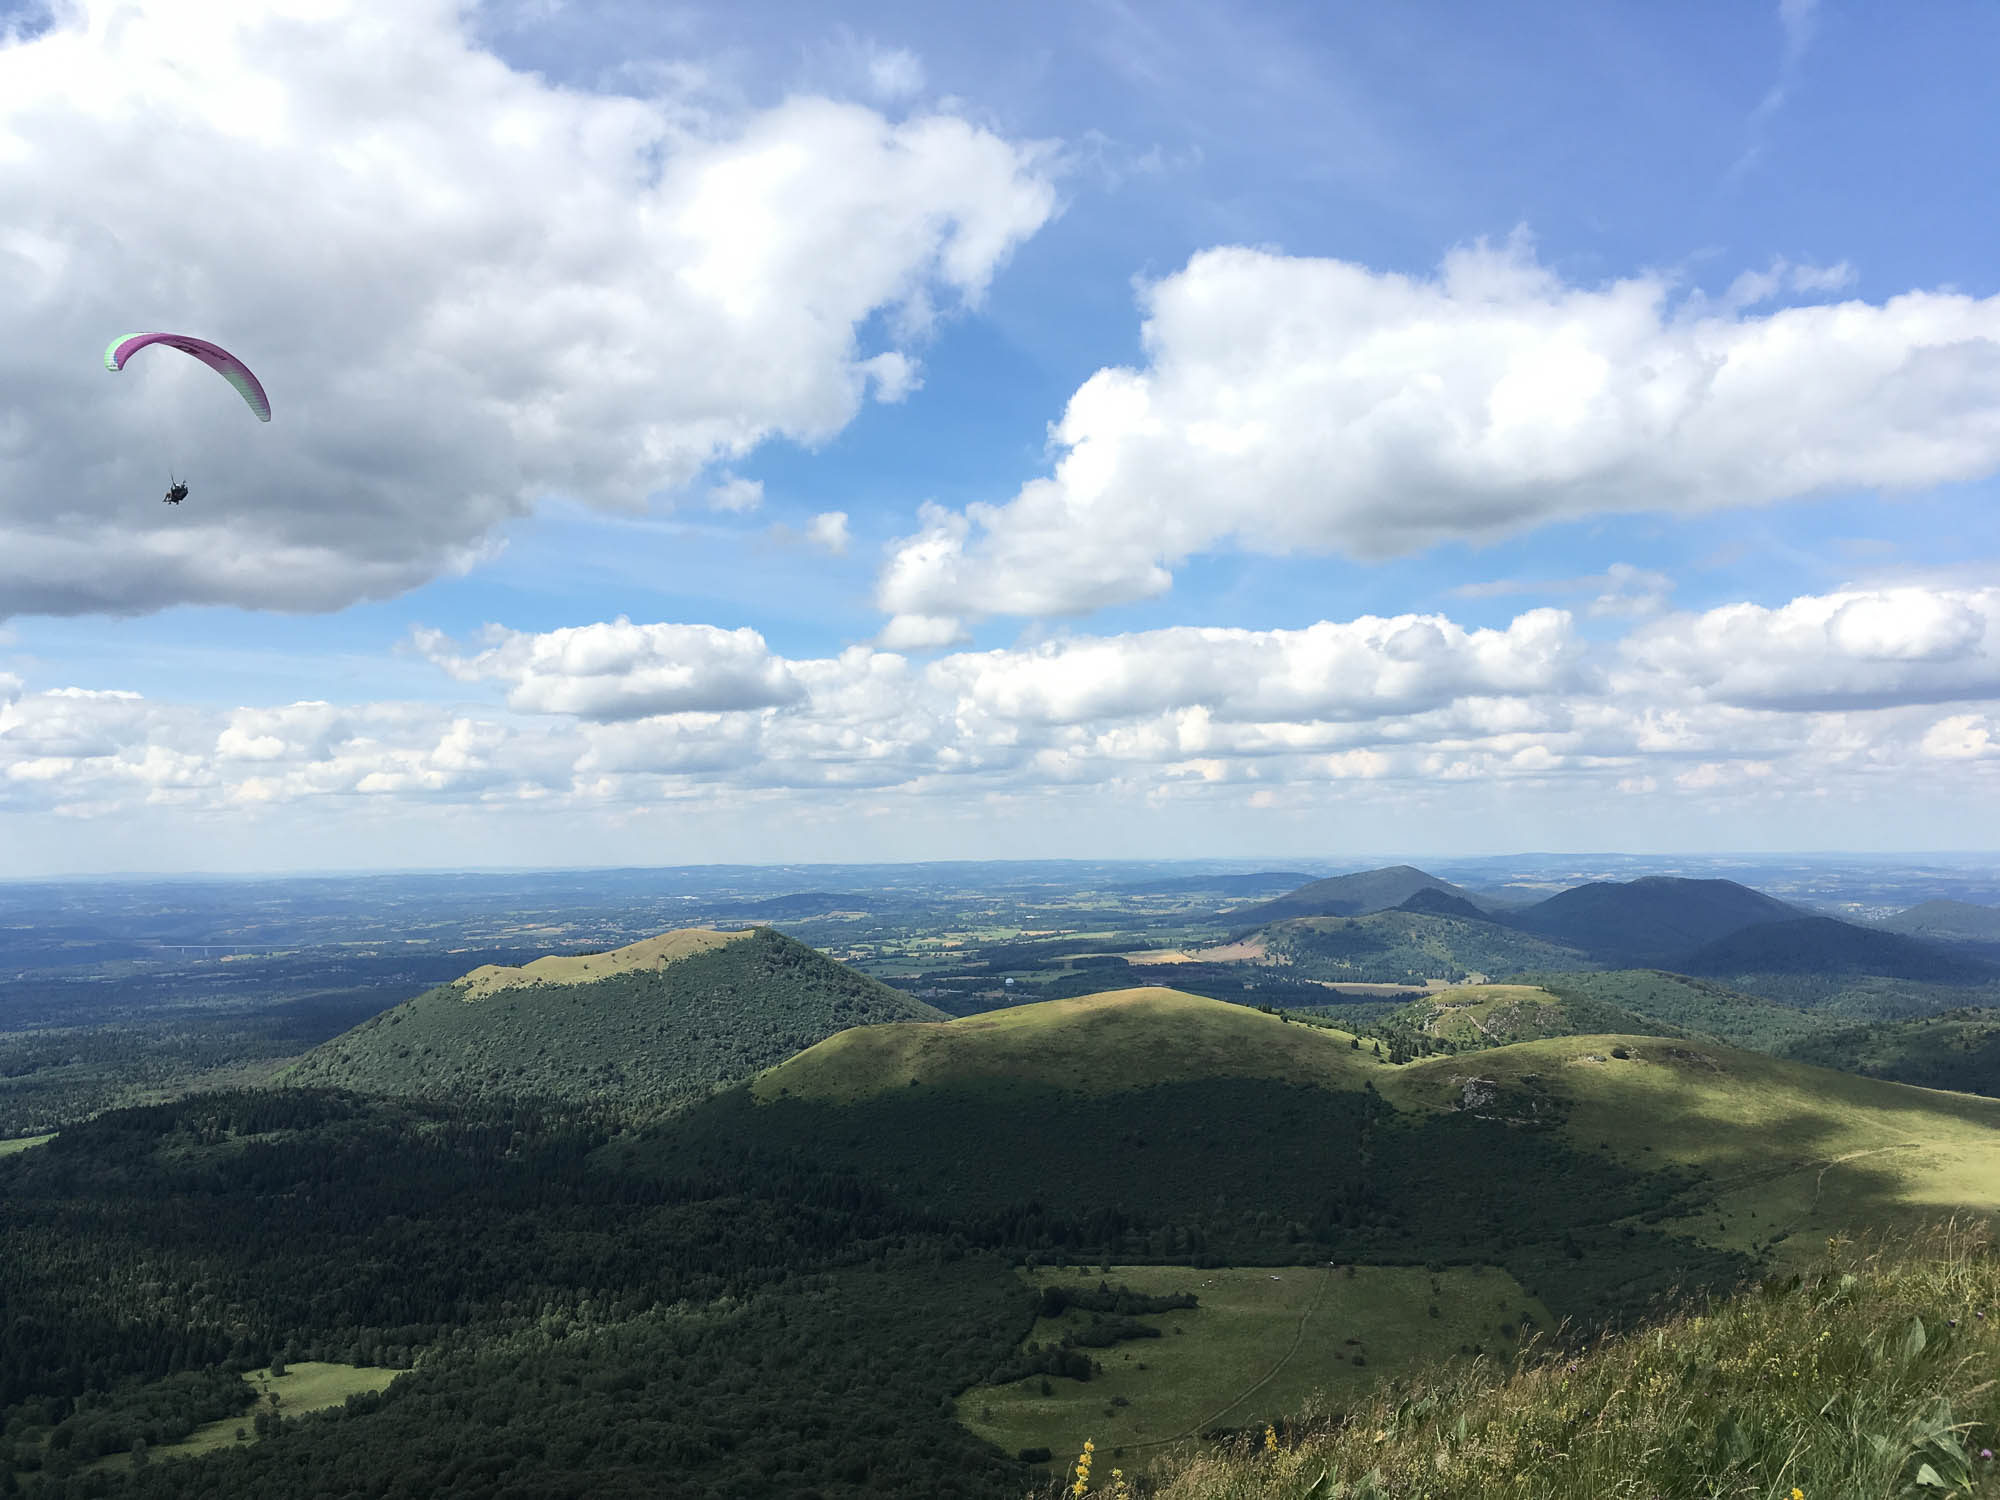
1095	1044
1789	1151
1792	1150
1495	1015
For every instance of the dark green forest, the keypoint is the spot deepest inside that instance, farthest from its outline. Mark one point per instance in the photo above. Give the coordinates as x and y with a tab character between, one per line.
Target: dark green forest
576	1332
745	1306
647	1040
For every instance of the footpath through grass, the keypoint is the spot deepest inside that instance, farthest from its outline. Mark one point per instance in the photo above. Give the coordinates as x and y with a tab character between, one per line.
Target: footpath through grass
1262	1340
1870	1375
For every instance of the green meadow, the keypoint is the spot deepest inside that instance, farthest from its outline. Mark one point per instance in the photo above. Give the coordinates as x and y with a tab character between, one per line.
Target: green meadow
1262	1341
22	1143
304	1388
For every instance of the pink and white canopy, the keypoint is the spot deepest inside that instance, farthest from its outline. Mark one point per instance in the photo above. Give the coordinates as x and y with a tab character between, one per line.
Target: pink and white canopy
217	358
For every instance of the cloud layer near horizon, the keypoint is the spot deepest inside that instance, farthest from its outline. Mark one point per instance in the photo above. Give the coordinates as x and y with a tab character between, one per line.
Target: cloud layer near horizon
1826	696
465	289
1291	404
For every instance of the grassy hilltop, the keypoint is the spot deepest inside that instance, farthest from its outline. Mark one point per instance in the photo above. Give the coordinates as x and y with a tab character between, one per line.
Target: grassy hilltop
650	1025
1105	1043
1497	1015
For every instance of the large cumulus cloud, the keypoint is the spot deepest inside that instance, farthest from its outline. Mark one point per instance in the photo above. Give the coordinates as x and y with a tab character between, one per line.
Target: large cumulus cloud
1297	404
465	288
1854	649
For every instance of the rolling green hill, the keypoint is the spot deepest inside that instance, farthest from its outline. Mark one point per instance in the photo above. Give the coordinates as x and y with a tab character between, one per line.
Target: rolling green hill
1497	1015
1650	922
1594	1168
1347	895
1406	947
649	1026
1093	1044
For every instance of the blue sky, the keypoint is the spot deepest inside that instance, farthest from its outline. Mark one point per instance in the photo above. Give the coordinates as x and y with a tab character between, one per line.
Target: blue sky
1173	430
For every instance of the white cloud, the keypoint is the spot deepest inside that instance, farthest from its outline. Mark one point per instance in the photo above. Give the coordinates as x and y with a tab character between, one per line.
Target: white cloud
618	718
1753	287
895	73
1366	668
828	532
464	288
1797	20
1845	650
736	494
1963	737
618	671
1301	405
922	633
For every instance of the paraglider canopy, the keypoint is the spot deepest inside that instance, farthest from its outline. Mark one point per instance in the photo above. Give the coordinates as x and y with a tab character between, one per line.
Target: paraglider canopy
217	358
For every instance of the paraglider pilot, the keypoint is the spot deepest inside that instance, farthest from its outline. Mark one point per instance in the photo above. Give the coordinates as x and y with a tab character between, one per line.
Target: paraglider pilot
176	494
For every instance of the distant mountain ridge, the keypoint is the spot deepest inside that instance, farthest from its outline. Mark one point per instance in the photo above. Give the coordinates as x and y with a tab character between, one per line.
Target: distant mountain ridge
649	1026
1651	922
1354	895
1401	924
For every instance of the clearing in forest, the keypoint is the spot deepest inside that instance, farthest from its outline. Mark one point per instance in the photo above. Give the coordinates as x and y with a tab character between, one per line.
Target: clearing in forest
1262	1339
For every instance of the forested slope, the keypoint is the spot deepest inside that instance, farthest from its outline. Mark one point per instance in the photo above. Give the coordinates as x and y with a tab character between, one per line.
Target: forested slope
646	1034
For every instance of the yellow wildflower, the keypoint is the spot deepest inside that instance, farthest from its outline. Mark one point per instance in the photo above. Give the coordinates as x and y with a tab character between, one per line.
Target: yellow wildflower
1797	1493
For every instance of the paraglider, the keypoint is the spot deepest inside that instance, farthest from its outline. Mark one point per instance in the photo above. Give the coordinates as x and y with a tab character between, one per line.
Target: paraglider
217	358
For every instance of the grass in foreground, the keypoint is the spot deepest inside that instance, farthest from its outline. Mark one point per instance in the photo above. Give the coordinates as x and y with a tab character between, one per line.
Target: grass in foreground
1871	1375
